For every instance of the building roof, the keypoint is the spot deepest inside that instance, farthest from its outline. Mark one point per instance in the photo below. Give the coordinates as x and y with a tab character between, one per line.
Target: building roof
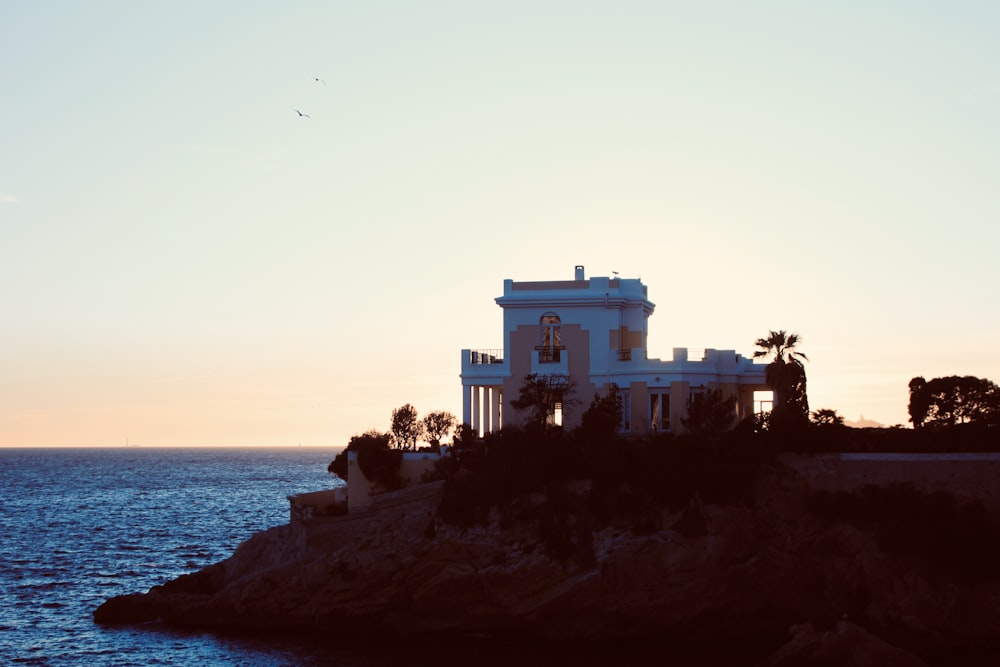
599	291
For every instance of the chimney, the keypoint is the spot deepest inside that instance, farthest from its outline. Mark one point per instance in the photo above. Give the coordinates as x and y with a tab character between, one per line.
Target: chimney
579	272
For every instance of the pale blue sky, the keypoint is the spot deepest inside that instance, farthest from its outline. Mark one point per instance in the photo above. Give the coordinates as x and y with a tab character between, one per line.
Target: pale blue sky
185	261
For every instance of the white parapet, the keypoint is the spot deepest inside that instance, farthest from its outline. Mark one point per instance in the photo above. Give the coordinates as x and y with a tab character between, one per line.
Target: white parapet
304	507
361	491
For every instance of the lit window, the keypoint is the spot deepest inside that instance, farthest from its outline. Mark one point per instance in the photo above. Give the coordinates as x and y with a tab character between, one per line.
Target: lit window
556	416
549	339
762	401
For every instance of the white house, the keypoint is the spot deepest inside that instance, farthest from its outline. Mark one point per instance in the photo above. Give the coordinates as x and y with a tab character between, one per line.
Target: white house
593	333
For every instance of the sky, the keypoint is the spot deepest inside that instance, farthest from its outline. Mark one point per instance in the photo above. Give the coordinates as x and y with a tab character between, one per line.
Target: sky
184	260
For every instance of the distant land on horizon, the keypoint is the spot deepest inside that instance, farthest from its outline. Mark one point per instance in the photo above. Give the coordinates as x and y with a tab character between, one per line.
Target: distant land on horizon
864	423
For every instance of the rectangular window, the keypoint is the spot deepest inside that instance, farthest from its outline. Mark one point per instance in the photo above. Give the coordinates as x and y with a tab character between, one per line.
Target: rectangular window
659	411
626	423
557	414
763	401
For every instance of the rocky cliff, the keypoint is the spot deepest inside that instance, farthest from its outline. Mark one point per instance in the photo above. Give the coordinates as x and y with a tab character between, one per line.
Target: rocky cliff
743	573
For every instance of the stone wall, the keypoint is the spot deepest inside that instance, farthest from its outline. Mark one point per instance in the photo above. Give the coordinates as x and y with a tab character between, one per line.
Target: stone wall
967	476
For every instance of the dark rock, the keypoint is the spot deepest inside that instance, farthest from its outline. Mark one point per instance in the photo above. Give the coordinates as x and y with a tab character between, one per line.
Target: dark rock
848	645
744	574
127	610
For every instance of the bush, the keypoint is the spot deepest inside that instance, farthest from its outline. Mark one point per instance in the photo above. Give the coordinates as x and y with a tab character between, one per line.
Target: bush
632	480
380	465
934	527
378	462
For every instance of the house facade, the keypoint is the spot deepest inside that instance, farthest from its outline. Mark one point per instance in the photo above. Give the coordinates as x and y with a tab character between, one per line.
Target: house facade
592	333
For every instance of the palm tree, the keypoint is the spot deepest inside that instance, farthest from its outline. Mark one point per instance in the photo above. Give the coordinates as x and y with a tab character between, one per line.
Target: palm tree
786	374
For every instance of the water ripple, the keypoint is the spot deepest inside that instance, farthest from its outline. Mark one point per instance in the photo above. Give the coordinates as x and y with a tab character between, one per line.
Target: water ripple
124	521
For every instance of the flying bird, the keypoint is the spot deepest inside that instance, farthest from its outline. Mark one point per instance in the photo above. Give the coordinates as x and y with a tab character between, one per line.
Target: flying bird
301	115
319	80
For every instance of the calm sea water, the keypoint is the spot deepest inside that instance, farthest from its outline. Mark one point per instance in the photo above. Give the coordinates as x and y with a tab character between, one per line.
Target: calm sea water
78	526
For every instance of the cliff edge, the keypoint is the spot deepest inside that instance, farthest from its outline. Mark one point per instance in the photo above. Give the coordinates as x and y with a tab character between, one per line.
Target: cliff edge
707	572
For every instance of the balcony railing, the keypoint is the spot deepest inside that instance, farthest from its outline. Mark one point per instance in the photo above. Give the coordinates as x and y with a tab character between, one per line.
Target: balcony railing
548	354
625	355
477	357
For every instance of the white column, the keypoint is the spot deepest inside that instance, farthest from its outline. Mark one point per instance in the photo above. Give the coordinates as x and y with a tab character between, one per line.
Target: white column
487	424
495	409
477	411
466	404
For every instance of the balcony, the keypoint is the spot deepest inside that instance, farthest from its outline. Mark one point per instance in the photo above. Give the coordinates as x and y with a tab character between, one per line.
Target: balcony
625	355
477	357
548	354
483	367
550	360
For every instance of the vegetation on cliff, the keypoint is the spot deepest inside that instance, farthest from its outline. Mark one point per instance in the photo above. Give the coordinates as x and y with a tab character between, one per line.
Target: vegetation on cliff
538	531
961	538
378	461
569	484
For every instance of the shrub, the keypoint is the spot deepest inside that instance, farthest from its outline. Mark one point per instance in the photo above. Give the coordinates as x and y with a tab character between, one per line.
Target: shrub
933	527
631	480
380	465
378	462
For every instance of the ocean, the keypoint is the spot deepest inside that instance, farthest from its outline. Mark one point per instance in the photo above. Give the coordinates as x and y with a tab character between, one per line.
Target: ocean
78	526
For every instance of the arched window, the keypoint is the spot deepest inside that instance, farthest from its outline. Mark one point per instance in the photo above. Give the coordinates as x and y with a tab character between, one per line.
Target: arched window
549	338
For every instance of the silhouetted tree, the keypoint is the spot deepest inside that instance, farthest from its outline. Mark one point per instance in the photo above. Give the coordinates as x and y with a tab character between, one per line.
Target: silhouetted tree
541	395
379	463
798	399
710	413
368	440
465	436
604	415
919	401
827	417
786	375
437	425
406	427
954	399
